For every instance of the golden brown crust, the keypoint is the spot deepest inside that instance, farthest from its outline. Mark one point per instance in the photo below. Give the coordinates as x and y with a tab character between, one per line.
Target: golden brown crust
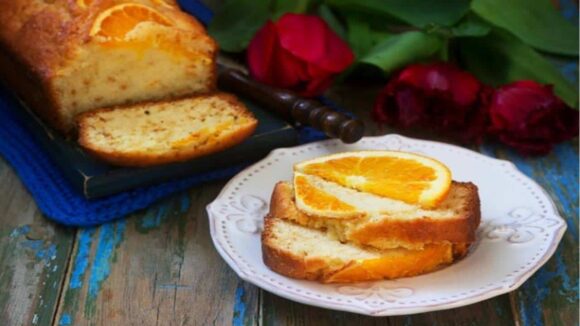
29	87
38	38
144	159
315	268
286	263
412	233
459	229
460	250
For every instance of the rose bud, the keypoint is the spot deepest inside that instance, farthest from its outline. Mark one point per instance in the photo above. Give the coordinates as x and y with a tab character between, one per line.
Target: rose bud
298	52
529	117
437	96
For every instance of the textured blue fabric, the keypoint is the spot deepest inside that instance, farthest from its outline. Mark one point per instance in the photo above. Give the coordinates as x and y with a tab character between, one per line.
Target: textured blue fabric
53	194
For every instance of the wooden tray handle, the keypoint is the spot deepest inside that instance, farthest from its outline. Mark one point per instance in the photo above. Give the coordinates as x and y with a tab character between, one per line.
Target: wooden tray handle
292	107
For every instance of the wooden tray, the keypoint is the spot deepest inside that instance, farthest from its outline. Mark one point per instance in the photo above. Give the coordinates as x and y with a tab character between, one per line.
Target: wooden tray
94	178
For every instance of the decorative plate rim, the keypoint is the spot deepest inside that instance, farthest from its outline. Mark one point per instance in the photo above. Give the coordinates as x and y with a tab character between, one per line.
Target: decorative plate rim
502	287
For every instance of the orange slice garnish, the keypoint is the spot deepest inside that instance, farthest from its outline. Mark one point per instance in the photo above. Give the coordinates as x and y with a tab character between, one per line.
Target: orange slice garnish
318	200
116	22
408	177
164	3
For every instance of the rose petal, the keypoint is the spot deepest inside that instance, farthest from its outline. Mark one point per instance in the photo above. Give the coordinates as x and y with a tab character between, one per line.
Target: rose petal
260	53
310	39
529	117
288	70
443	78
411	106
379	112
317	86
339	54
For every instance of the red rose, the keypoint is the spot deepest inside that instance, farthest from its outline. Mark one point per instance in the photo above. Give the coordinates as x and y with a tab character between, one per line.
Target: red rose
298	52
436	96
529	117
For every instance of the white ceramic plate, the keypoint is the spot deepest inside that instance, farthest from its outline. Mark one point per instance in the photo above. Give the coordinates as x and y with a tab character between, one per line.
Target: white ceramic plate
520	230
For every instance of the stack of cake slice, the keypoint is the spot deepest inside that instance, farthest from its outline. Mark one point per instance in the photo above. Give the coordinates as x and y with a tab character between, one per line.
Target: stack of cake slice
368	215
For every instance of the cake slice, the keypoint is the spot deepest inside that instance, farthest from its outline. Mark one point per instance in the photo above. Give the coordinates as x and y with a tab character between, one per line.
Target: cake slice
303	253
370	220
163	132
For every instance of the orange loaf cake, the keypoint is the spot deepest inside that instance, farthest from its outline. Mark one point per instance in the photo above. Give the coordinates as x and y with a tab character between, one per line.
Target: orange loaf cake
369	215
65	57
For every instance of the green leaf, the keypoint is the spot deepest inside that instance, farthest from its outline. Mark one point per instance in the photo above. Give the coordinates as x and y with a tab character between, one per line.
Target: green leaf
500	58
326	13
280	7
361	36
536	22
237	21
420	13
471	25
402	49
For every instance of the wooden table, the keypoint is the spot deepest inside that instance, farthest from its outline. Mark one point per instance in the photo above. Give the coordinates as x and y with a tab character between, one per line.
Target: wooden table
159	266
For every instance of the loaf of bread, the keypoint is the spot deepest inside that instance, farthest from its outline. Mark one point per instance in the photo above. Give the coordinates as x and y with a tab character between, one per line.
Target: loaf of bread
300	252
382	222
162	132
65	57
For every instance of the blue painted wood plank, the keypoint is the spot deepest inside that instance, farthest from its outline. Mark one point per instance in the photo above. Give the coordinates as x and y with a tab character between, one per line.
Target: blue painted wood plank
157	267
33	256
550	296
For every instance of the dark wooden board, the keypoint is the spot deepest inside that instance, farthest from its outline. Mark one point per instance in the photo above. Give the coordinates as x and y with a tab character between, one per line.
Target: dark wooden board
94	178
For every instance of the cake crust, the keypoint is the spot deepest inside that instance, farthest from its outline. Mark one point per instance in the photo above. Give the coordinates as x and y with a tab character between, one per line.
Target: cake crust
390	233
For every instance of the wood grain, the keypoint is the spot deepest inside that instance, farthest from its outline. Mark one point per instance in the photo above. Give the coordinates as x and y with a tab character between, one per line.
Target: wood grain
33	256
157	267
550	296
279	311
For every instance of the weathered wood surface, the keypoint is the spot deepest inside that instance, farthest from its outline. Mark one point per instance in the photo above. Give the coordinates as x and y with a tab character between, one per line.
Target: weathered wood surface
159	267
33	256
550	296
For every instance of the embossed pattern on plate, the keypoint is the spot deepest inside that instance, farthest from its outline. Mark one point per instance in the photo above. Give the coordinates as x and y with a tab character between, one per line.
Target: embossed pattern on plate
520	231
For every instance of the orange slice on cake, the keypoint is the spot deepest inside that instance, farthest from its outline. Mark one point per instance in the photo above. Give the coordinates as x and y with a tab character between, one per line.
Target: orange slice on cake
411	178
164	3
319	201
116	22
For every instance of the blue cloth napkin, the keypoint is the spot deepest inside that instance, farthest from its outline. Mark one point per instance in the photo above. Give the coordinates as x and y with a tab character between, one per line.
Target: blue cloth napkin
57	199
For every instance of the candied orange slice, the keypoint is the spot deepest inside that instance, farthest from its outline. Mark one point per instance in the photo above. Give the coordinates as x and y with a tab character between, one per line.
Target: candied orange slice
408	177
319	200
115	22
